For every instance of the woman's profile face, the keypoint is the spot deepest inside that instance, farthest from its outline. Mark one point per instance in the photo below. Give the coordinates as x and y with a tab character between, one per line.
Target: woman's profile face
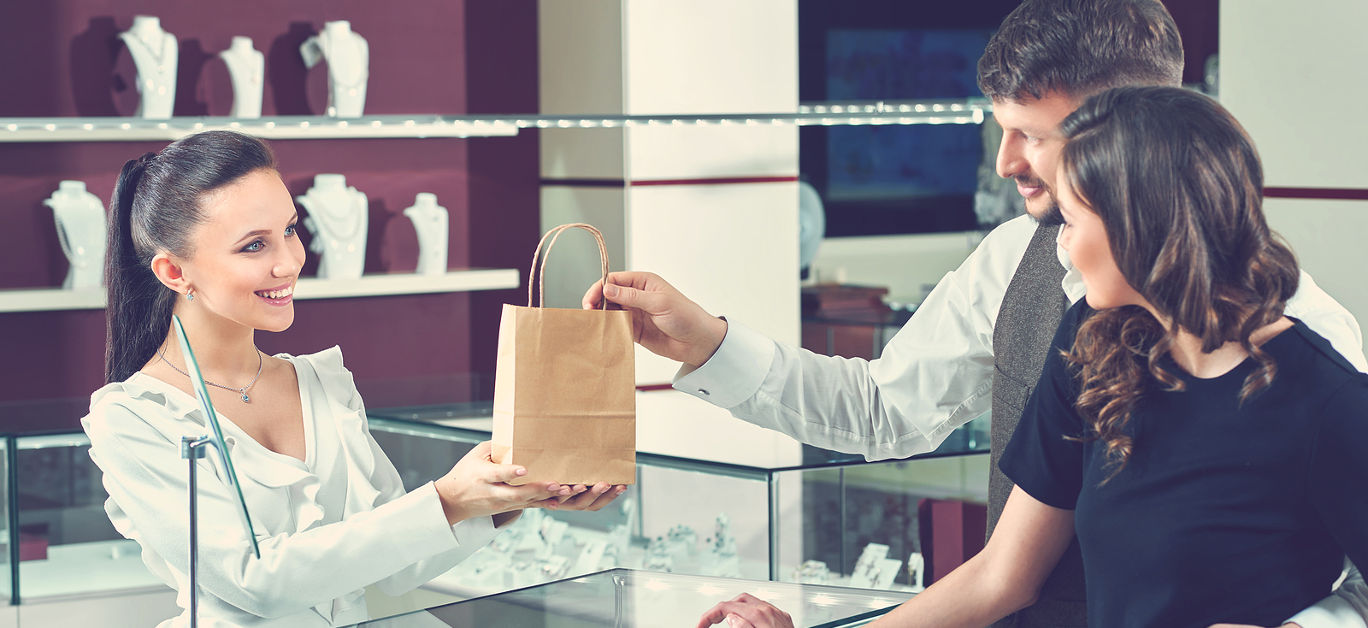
247	255
1085	238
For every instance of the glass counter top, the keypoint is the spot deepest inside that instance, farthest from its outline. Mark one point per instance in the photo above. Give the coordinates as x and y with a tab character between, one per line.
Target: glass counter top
675	429
625	598
671	426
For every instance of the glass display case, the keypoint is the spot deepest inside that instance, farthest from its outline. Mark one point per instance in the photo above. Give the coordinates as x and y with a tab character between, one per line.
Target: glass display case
810	515
735	509
60	542
624	598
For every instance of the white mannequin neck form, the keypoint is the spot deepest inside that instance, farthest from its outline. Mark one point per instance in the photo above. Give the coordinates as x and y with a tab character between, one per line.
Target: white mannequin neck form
348	57
80	221
147	28
154	53
329	182
337	217
246	70
430	221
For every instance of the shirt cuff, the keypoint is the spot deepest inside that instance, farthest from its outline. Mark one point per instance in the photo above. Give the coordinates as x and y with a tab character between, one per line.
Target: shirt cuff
734	373
1331	612
418	518
474	532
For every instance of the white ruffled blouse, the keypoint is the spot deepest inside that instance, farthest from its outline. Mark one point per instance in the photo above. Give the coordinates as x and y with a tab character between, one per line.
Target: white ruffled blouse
327	526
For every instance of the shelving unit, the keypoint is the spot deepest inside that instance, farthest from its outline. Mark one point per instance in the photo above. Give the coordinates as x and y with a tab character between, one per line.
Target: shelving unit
475	279
107	129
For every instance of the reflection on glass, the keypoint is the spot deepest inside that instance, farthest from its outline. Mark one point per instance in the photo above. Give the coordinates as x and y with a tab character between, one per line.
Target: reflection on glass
66	543
626	598
6	575
216	438
809	518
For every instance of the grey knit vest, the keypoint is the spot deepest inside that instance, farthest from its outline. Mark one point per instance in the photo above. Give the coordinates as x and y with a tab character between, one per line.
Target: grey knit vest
1026	323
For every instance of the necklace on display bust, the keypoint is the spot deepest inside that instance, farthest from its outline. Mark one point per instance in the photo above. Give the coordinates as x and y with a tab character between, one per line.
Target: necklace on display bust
241	66
347	56
158	56
342	216
351	89
241	391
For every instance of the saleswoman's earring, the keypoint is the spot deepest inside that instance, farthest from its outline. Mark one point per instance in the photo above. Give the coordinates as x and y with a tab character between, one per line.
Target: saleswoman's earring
190	294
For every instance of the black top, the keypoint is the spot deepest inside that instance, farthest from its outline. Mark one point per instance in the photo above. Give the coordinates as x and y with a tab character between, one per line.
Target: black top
1223	513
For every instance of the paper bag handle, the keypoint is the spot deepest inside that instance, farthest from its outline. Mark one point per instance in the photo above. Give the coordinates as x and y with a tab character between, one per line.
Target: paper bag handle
541	256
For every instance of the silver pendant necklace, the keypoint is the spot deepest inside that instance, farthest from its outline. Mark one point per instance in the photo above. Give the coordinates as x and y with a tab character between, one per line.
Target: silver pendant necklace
334	46
241	391
158	56
343	221
243	63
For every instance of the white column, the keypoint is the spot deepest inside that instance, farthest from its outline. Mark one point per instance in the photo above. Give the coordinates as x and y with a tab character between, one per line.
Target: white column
731	246
713	209
1292	73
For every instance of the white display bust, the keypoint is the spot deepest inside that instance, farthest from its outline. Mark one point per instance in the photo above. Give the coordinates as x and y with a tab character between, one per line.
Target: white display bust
154	53
246	70
337	218
348	57
430	221
80	221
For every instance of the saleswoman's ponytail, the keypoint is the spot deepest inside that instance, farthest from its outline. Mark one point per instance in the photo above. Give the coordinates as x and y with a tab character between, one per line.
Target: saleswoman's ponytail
155	208
135	297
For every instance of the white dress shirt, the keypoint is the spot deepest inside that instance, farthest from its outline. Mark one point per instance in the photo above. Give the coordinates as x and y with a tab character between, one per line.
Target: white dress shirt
935	375
327	526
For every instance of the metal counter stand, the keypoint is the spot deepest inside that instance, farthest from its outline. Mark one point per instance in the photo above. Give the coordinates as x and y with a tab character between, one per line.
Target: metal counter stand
624	598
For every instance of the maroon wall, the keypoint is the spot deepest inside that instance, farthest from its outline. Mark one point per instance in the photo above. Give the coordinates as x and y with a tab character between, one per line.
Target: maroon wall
1198	21
505	193
427	56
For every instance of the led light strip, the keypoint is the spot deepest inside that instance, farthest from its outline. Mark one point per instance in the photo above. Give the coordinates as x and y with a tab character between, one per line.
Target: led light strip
305	127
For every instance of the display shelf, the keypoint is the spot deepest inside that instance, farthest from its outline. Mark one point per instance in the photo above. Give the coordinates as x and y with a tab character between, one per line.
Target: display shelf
109	129
96	567
472	577
471	280
45	441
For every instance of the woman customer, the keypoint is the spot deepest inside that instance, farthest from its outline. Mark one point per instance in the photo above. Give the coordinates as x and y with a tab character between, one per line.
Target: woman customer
1198	442
1208	451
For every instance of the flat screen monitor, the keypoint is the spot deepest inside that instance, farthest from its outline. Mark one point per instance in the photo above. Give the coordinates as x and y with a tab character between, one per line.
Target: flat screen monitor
894	179
882	163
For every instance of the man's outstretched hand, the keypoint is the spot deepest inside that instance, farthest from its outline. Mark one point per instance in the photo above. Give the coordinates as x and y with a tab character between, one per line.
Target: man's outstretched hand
664	321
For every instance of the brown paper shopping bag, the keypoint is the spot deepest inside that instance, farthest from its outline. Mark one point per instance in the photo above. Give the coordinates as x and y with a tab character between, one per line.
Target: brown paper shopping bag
565	385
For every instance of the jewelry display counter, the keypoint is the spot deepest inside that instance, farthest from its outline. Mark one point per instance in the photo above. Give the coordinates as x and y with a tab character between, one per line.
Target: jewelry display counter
810	515
59	541
624	598
802	515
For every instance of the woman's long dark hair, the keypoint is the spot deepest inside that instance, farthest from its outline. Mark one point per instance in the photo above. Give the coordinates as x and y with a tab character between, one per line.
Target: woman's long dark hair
155	208
1178	186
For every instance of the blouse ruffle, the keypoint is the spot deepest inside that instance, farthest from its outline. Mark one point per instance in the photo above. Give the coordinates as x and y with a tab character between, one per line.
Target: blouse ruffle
175	414
172	414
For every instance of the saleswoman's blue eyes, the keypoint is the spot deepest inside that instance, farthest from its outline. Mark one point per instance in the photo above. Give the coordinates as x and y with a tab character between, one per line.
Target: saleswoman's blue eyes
257	245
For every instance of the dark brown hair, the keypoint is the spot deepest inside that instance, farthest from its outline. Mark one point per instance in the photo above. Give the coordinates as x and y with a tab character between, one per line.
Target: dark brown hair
1080	47
1178	186
155	207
